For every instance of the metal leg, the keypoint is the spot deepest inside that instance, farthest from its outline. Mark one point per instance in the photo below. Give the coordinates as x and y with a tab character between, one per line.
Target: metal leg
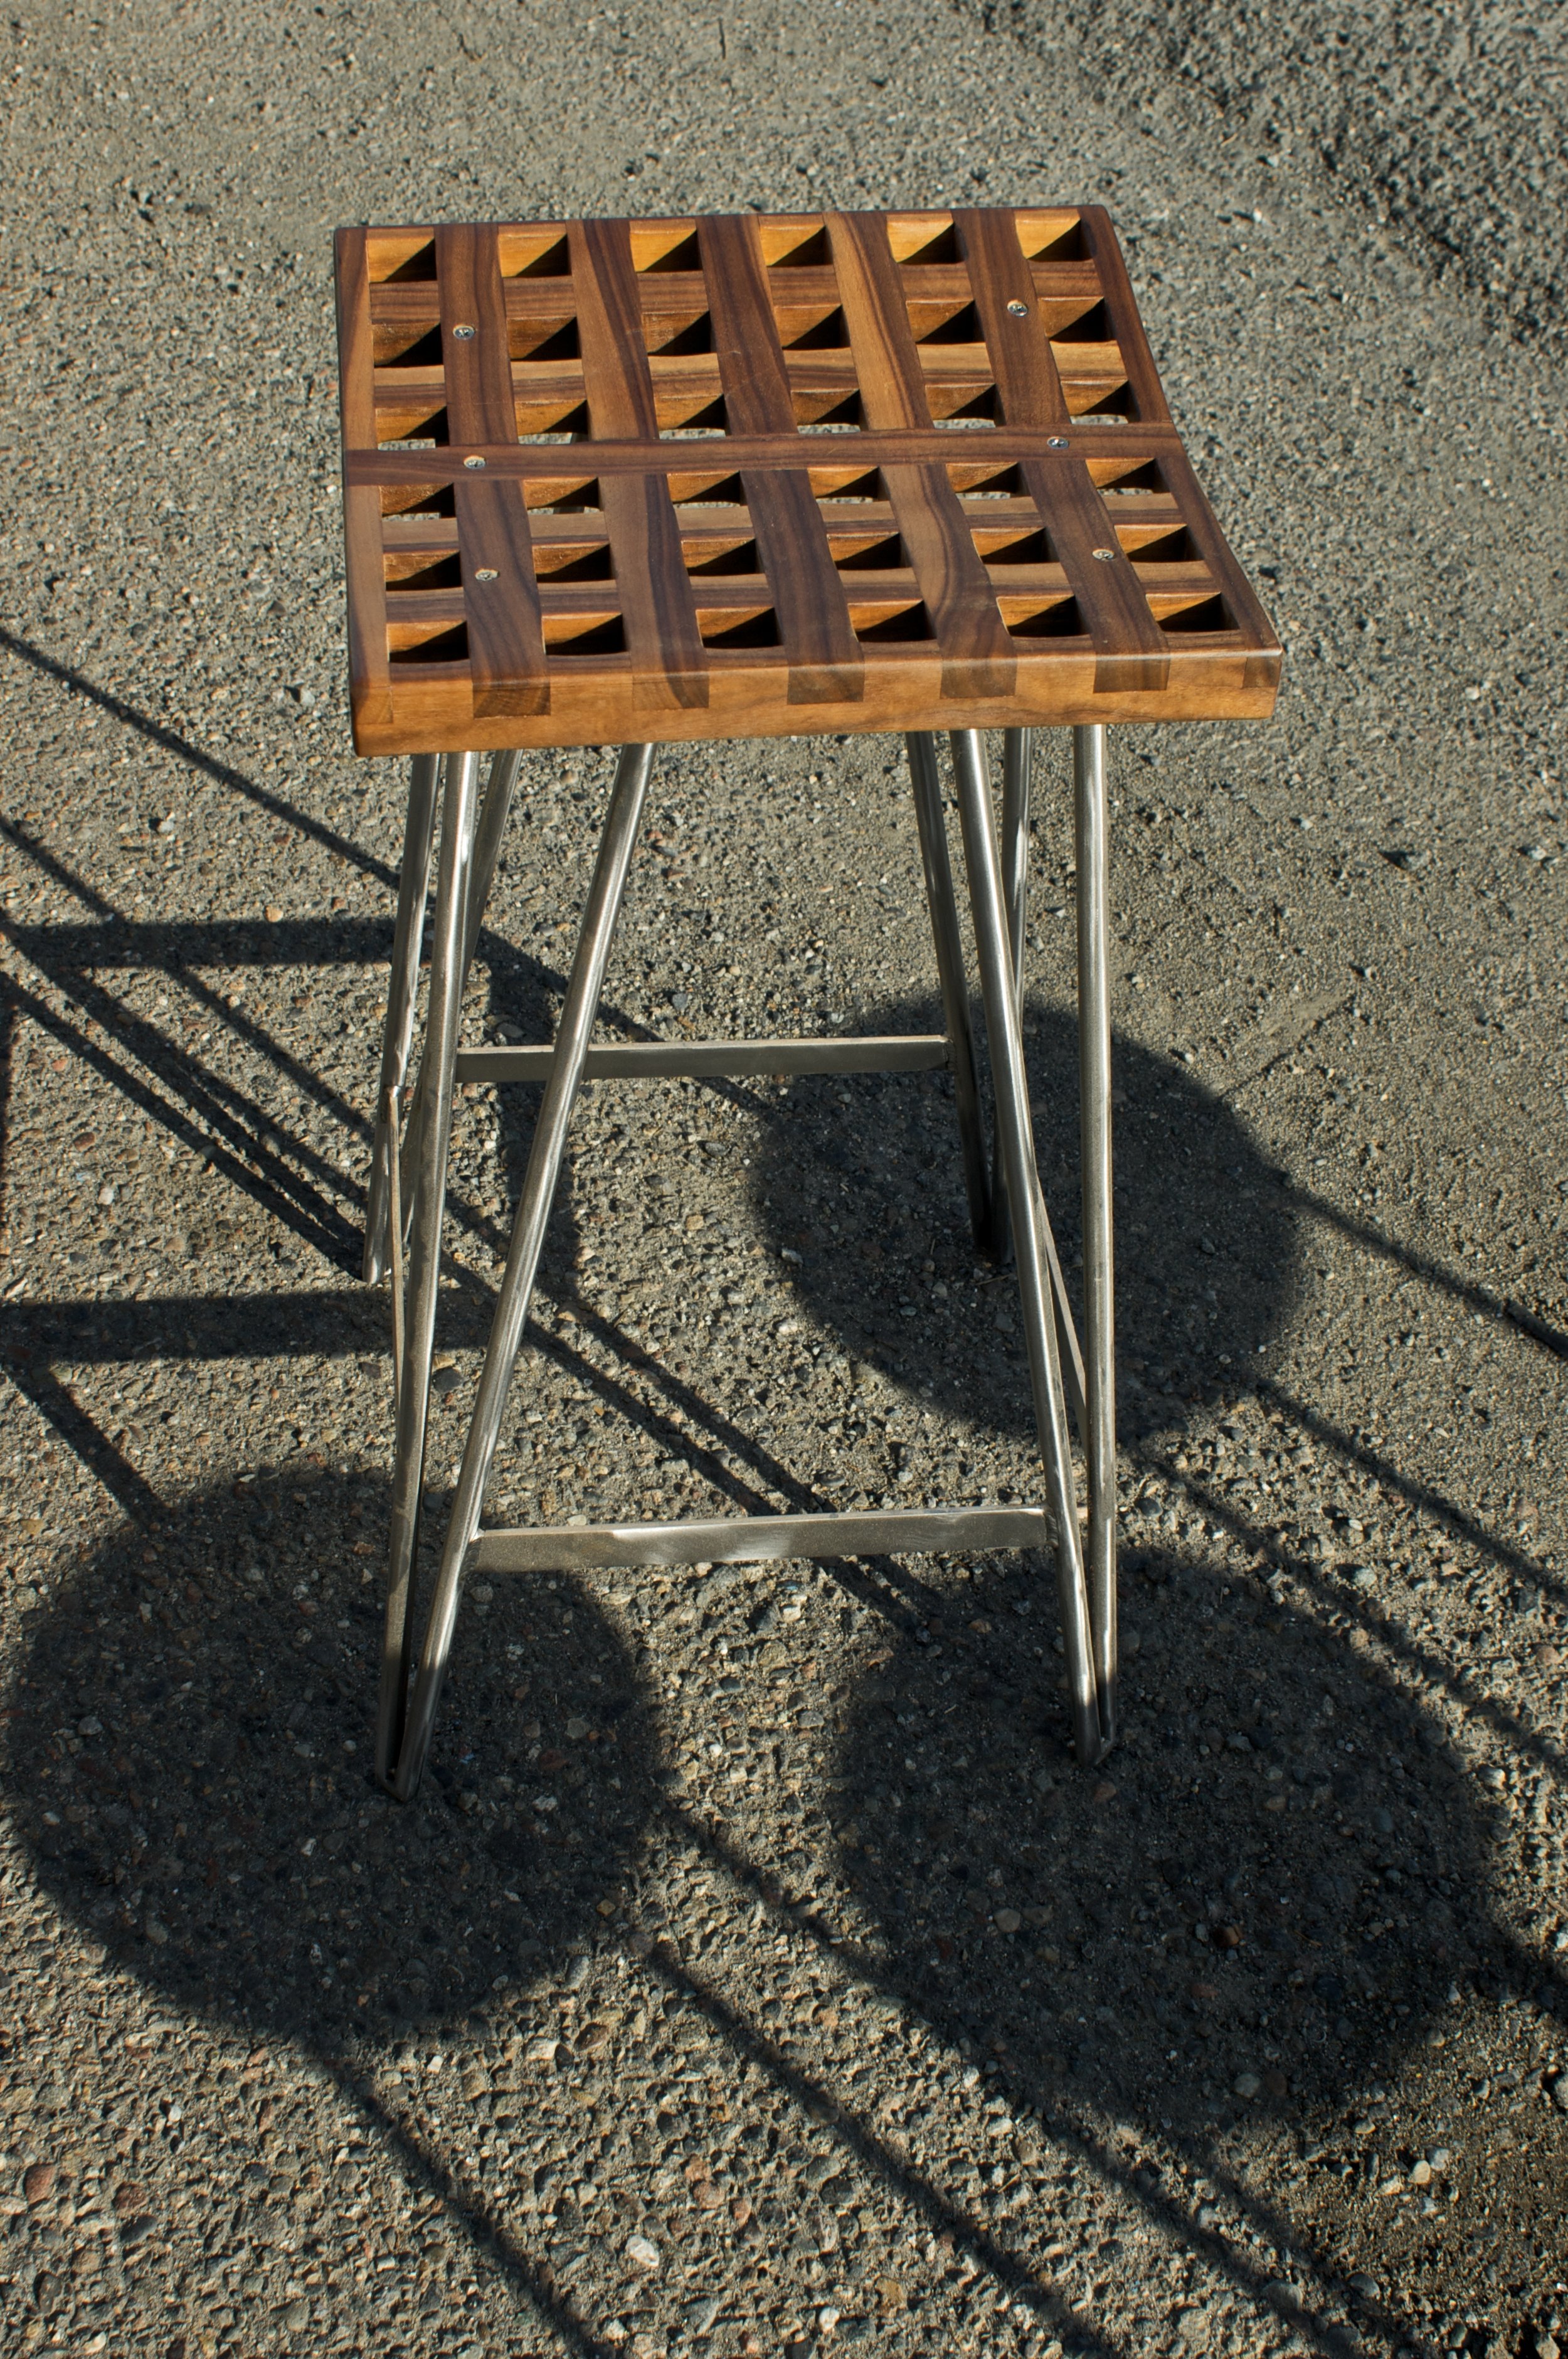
498	793
429	1142
1017	750
413	885
948	945
1100	1304
572	1037
994	951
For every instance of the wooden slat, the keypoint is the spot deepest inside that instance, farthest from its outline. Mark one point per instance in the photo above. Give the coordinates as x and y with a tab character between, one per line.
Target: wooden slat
477	365
1142	376
978	654
616	379
1131	649
669	663
1028	385
997	446
813	620
887	361
500	600
368	670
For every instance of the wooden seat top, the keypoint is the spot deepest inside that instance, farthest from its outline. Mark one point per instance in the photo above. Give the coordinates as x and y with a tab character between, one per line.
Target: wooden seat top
615	482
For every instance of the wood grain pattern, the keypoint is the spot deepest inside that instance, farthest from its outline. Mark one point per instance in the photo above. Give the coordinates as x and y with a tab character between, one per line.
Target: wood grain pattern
657	615
680	478
1028	383
812	613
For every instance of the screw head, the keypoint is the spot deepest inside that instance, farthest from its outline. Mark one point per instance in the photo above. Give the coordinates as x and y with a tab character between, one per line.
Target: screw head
1019	311
473	462
463	334
1055	441
484	573
1106	556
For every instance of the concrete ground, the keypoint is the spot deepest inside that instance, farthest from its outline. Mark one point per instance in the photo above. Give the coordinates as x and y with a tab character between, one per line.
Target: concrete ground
755	1973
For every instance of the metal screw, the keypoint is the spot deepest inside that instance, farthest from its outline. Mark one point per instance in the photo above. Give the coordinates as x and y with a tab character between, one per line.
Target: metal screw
1055	441
1106	556
473	462
1019	310
484	573
463	334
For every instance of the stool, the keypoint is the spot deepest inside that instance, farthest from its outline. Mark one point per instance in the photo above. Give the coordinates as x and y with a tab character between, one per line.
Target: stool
638	483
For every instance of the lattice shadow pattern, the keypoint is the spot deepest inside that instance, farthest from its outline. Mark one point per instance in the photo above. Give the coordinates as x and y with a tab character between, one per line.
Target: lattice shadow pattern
633	480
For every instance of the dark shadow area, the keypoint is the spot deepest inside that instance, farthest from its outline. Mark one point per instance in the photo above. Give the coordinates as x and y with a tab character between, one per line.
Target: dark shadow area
176	1764
1259	1911
1334	1923
868	1192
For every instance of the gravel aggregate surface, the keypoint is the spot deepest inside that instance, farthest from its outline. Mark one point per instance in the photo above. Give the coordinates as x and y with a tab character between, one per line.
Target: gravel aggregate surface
755	1973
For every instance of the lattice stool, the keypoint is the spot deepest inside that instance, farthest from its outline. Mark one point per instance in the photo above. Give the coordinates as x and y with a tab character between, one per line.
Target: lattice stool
641	482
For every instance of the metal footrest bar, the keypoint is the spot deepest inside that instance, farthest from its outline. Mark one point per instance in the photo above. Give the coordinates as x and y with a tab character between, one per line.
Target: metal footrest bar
761	1540
630	1060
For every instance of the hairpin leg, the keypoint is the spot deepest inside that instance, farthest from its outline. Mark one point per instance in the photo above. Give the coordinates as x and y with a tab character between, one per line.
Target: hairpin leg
429	1140
949	944
1099	1288
994	951
577	1015
412	886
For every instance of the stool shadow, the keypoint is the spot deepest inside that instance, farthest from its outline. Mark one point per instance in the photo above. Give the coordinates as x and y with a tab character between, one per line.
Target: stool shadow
210	1707
1335	1925
1205	1235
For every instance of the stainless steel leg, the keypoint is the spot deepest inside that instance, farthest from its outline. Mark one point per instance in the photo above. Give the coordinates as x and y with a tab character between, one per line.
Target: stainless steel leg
1100	1292
949	947
429	1144
413	885
1018	748
492	827
994	951
581	1005
1017	762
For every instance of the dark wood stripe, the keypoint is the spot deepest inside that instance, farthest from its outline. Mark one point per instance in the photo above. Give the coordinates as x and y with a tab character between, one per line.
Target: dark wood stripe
669	664
658	615
819	644
506	645
757	398
1028	384
477	367
610	332
978	655
892	384
826	666
1131	652
1142	376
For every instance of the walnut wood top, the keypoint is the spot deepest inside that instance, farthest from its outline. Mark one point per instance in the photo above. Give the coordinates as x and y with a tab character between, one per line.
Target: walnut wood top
632	481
